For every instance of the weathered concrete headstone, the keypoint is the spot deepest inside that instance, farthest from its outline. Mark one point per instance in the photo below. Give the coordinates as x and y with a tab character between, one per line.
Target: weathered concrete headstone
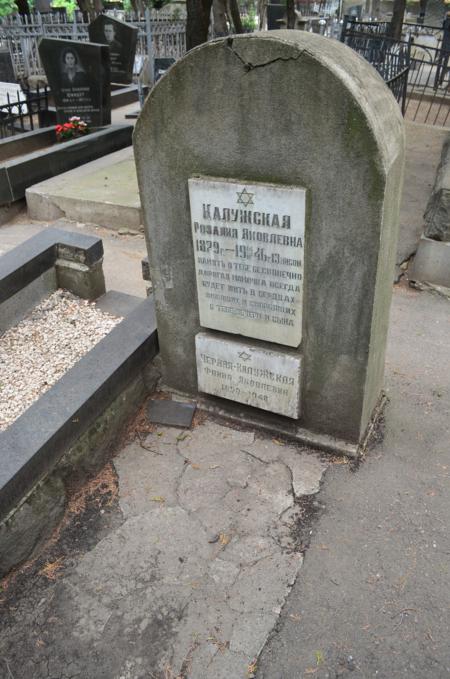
7	74
270	169
121	38
79	79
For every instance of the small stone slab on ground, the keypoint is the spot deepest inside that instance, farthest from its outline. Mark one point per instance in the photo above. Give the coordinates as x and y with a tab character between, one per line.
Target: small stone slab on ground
171	413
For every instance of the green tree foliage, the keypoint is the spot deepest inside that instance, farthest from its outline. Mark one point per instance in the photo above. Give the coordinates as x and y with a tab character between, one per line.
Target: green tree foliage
7	7
70	6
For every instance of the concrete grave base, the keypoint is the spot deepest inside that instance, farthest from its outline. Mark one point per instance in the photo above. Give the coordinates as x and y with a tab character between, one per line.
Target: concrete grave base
103	192
278	425
431	263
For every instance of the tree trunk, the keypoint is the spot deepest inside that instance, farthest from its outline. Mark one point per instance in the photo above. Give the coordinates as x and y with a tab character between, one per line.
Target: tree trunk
290	13
197	24
87	9
23	7
262	11
395	28
235	16
220	18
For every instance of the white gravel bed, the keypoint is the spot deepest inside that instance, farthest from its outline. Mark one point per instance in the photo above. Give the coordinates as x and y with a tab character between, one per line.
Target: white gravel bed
36	352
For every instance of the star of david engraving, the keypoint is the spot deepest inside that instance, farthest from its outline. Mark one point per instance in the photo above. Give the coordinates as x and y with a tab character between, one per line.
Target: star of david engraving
245	356
245	198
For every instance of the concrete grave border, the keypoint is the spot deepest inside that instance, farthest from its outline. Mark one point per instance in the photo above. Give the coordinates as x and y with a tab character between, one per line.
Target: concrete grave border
50	259
19	173
66	434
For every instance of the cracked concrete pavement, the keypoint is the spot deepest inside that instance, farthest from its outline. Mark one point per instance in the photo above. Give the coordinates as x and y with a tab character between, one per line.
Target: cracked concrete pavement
191	577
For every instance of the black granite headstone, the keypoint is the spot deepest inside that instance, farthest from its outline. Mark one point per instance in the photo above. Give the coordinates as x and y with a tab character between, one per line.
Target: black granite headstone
275	13
7	74
121	39
79	78
162	65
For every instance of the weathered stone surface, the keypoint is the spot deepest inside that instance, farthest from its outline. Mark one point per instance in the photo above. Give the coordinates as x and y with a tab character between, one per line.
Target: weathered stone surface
207	506
437	214
248	373
157	591
330	126
31	523
149	473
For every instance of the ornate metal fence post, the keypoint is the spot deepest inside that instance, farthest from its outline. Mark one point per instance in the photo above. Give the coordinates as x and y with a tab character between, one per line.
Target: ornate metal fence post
150	54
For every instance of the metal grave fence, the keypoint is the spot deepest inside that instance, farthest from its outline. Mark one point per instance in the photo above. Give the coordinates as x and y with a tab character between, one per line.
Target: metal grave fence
422	83
20	113
21	34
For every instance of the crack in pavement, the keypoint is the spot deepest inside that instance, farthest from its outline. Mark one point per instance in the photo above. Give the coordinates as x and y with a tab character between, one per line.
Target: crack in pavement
156	592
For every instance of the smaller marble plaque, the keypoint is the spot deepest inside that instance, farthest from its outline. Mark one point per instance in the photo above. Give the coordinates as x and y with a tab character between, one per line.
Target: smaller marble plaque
247	373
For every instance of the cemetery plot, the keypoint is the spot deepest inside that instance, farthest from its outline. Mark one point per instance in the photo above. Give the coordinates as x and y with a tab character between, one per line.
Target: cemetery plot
32	157
36	352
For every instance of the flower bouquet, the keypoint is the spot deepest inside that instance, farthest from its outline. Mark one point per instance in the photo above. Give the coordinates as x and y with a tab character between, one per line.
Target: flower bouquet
71	130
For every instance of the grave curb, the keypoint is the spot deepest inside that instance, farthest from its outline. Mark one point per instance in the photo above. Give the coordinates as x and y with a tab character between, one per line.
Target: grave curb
77	261
110	376
20	173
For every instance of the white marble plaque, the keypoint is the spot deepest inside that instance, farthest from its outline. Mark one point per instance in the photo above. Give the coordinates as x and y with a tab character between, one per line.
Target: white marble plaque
246	373
249	257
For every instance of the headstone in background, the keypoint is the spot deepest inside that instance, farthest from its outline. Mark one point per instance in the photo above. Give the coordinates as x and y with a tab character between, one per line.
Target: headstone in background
276	14
121	38
162	64
11	93
79	79
43	6
7	74
271	199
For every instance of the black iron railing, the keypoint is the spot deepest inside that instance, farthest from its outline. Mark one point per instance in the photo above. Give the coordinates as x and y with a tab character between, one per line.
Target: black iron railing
21	112
391	58
417	74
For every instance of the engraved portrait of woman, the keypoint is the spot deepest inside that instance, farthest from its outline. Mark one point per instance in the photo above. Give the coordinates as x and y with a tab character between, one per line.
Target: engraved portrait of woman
72	72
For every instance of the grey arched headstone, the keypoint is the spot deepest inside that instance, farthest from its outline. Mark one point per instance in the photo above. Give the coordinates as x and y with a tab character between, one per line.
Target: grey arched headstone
295	110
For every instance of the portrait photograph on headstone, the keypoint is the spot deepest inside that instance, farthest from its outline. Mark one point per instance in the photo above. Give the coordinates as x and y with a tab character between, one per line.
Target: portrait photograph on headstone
121	39
78	75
